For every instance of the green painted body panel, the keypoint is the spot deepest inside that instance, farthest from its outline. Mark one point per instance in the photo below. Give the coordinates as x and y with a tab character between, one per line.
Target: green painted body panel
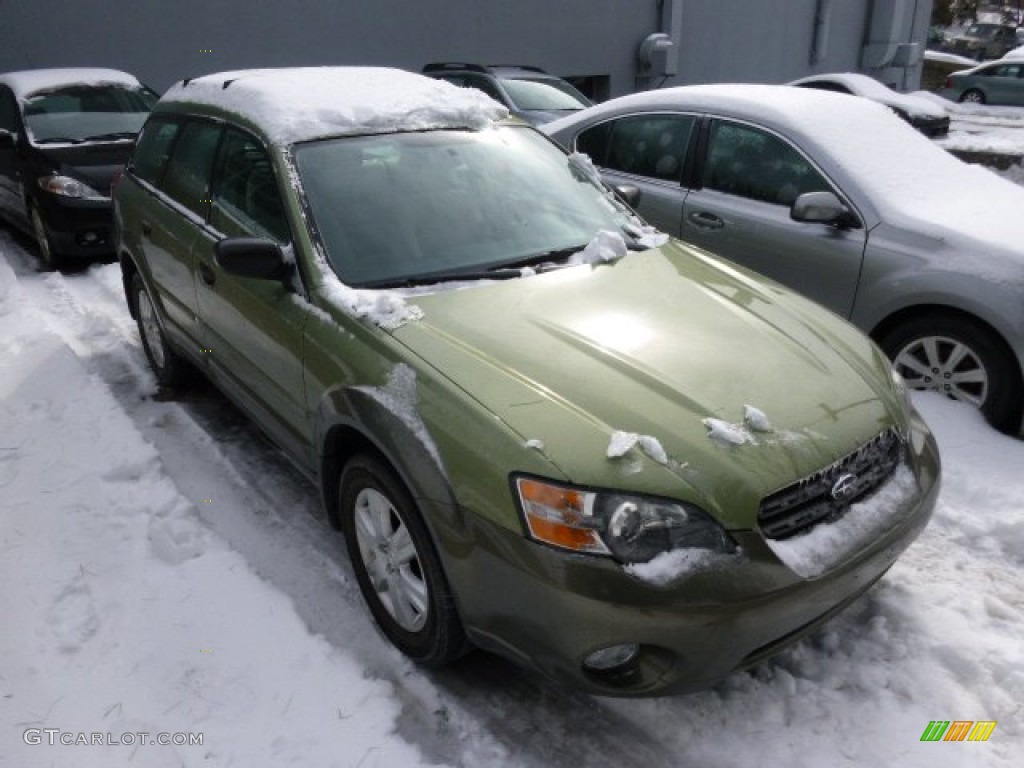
654	344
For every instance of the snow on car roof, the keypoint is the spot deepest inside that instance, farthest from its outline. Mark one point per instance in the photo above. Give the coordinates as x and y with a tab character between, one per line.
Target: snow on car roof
30	81
302	103
869	88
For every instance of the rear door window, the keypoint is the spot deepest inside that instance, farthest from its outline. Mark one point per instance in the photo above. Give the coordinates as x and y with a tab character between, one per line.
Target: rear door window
653	146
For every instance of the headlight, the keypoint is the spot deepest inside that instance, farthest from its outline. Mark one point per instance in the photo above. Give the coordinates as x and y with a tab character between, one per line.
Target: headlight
632	529
65	186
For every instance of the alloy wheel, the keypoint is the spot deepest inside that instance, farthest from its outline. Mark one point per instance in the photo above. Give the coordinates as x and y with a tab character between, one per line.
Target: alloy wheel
43	240
392	562
945	365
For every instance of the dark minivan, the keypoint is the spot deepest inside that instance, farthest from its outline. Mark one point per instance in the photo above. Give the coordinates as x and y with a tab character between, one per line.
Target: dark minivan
64	135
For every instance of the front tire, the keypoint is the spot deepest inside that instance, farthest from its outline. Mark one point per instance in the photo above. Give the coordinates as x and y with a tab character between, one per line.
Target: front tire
962	359
396	565
972	96
169	368
48	258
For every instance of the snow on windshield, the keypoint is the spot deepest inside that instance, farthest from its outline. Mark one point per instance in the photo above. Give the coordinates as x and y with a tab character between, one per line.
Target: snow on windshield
303	103
32	81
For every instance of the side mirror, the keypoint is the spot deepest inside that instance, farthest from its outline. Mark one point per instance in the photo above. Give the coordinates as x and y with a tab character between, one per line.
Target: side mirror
823	207
7	139
627	193
253	257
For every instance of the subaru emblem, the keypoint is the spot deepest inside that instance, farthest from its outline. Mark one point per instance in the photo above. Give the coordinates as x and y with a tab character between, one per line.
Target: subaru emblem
844	487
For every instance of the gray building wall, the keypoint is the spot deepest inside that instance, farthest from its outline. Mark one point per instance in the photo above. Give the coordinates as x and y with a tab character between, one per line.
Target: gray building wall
162	41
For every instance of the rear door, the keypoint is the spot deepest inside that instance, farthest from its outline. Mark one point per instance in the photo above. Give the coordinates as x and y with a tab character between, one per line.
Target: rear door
253	328
749	178
161	212
647	151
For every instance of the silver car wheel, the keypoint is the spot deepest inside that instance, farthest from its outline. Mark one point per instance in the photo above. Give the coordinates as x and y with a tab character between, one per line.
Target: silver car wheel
945	365
45	252
392	562
150	329
973	97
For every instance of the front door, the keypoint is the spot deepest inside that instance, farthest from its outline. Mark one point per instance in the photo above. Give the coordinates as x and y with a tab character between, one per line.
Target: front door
741	210
253	329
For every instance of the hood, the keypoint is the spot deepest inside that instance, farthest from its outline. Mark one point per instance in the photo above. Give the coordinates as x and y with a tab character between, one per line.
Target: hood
654	344
95	164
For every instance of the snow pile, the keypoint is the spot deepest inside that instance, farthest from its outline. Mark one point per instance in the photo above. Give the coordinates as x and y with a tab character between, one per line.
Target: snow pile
32	81
678	564
296	104
388	309
727	433
756	419
585	165
645	235
827	545
123	613
606	247
399	396
622	442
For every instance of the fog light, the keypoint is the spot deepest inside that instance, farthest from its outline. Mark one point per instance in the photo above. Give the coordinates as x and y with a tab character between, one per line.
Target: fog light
612	657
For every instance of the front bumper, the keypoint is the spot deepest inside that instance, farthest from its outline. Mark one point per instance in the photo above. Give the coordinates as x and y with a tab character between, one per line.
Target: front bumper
78	228
550	610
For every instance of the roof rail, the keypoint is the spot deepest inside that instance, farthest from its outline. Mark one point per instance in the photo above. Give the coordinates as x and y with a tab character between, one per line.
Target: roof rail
526	67
440	66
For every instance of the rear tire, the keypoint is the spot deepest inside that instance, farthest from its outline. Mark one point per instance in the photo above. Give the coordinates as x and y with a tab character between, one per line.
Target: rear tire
963	359
170	369
972	96
396	565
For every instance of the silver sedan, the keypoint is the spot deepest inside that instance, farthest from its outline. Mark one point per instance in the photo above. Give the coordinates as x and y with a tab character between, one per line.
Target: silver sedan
840	199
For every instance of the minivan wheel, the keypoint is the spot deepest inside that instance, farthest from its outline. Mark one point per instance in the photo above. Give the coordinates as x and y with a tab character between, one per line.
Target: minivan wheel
47	257
169	368
973	96
396	565
962	359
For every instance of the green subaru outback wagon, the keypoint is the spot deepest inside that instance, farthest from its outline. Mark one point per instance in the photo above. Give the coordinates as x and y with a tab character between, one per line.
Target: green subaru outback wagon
544	429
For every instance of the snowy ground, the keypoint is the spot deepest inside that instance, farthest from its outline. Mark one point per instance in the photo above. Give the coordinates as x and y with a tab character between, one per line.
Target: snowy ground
163	572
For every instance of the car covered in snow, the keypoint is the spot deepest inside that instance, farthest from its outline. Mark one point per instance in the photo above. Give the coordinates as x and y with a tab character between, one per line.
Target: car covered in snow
837	198
929	118
545	429
64	135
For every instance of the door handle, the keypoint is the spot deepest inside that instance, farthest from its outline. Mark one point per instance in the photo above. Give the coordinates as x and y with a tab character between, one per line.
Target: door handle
147	230
706	220
207	274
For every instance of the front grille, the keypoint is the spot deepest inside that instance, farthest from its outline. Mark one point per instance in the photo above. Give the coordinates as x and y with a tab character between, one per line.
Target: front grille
821	497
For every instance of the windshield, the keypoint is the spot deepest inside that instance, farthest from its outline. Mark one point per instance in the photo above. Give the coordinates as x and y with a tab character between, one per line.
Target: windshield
982	30
545	93
78	113
400	207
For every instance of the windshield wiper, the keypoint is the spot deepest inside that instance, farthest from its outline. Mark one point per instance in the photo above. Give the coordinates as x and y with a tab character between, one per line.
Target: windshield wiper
447	277
113	135
556	255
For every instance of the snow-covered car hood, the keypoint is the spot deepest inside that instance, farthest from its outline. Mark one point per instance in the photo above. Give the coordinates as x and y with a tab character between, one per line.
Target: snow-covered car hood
655	344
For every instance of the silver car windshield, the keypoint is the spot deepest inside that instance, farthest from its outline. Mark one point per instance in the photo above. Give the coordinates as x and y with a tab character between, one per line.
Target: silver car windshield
82	113
555	95
403	207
